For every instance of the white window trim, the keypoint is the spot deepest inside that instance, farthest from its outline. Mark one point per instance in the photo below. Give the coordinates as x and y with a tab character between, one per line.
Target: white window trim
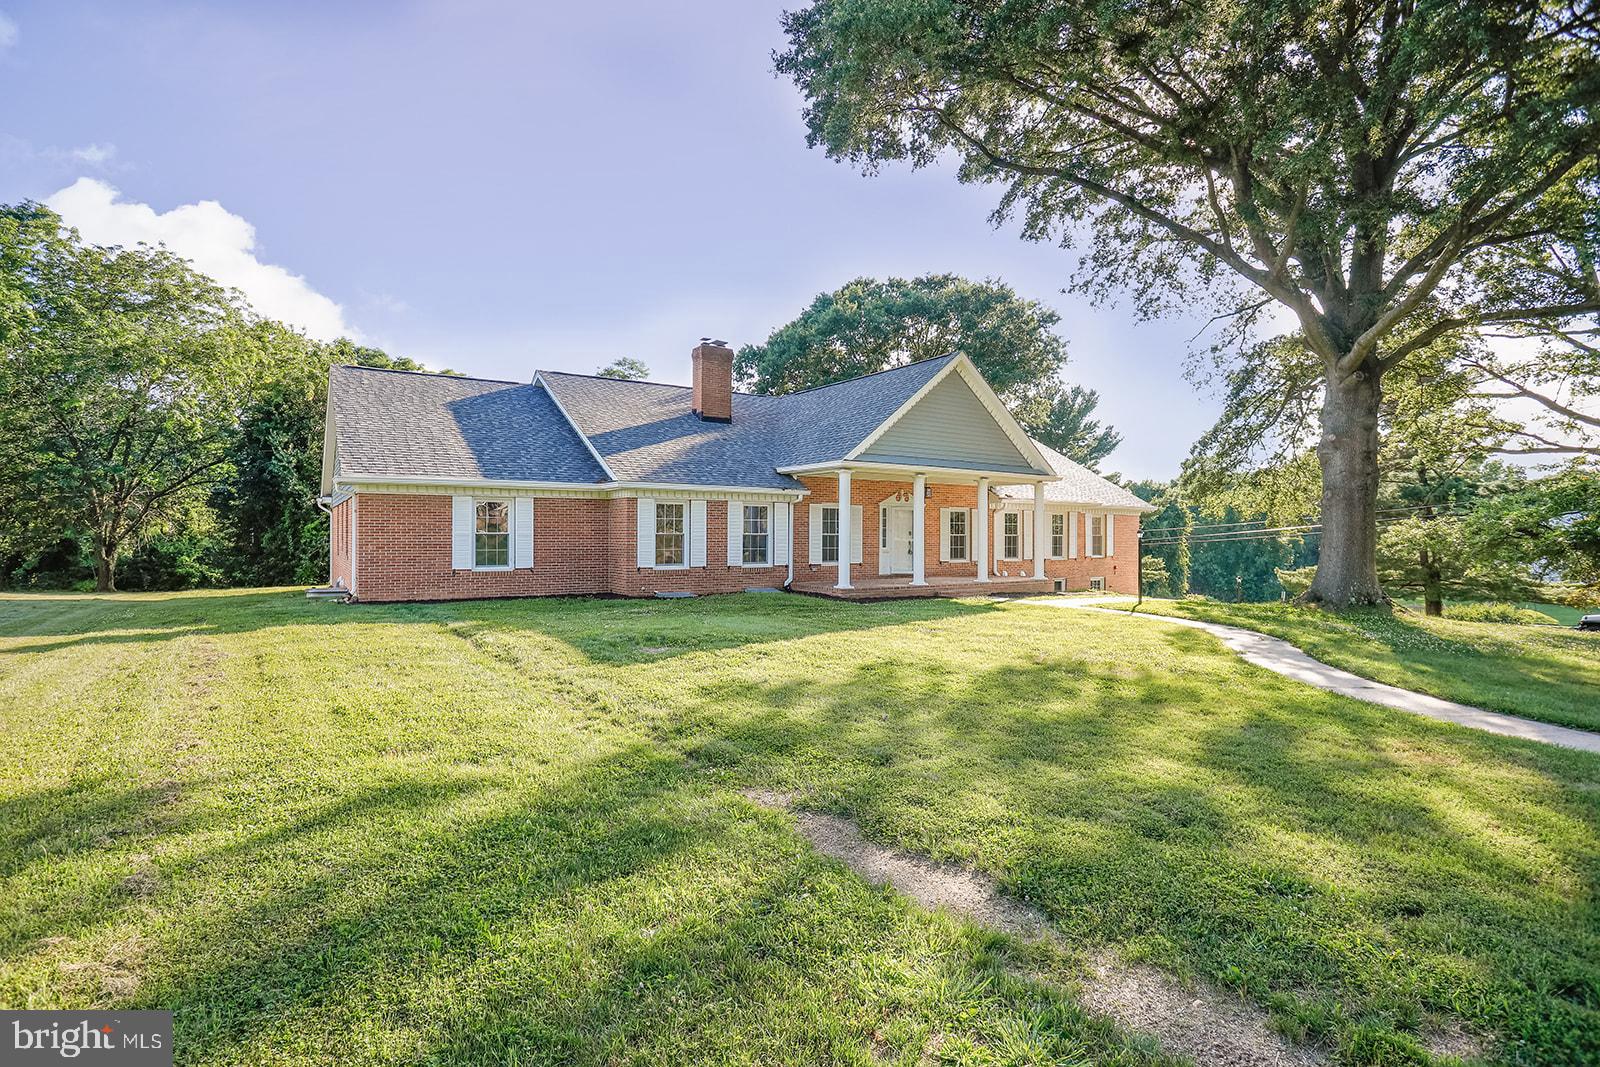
741	505
1021	542
656	535
1089	533
822	536
966	535
1101	588
511	533
1050	532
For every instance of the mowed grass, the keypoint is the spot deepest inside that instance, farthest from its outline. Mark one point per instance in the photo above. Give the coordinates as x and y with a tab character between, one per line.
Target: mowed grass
512	833
1541	672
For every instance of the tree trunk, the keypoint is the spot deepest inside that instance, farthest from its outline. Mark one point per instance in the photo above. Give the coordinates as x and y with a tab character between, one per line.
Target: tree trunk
105	566
1432	586
1347	567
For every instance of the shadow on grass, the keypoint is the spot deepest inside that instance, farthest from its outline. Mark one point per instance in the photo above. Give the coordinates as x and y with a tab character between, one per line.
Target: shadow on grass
609	631
581	921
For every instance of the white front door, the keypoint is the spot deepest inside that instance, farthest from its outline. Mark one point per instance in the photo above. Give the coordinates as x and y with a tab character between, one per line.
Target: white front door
898	550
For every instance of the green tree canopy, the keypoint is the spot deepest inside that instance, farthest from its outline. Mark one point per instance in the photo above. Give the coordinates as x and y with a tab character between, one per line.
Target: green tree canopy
122	374
1354	162
626	368
870	325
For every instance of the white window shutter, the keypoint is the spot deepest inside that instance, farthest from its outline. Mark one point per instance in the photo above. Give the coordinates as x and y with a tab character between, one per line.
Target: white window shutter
944	534
461	523
1072	534
647	531
814	532
1027	534
972	535
1111	543
780	535
735	538
694	517
855	537
522	531
999	541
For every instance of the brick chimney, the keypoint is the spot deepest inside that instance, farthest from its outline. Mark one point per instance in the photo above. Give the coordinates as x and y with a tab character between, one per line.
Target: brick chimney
713	380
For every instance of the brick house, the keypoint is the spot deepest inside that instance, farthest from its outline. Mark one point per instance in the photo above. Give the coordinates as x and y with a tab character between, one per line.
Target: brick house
913	481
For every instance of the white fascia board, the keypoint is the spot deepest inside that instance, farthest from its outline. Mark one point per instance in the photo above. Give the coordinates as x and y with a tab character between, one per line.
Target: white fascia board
355	481
538	379
686	487
330	446
945	475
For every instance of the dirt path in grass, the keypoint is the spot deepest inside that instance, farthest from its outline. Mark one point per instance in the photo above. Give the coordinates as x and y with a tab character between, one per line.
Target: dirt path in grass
1281	657
1211	1027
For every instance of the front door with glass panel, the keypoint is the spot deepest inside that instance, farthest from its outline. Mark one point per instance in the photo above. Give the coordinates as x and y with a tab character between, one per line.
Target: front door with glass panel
898	525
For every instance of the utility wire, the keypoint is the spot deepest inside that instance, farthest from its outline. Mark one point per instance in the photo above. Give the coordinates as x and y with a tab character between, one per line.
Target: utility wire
1380	511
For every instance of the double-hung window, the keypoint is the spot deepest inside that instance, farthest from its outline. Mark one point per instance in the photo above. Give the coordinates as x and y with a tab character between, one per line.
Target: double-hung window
958	533
830	535
491	540
758	536
1058	535
671	527
1097	535
1011	534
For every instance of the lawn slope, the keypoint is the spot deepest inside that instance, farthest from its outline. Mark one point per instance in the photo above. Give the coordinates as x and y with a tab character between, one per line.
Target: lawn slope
512	833
1541	672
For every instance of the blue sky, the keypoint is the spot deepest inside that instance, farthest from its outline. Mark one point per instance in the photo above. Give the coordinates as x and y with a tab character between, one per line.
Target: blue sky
498	187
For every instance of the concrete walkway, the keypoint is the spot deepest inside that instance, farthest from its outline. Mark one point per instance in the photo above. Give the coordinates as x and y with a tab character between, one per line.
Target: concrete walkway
1283	658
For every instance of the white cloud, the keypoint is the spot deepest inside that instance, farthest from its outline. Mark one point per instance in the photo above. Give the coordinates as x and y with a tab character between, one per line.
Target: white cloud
95	155
8	32
218	243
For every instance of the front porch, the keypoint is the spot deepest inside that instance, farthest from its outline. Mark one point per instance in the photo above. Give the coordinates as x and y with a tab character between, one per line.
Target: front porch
900	587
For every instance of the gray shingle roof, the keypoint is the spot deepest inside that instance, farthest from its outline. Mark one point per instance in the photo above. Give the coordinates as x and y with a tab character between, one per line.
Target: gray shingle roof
1077	485
408	425
416	425
648	432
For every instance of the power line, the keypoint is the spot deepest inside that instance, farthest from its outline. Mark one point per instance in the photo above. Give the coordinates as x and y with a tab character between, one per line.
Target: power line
1276	533
1380	511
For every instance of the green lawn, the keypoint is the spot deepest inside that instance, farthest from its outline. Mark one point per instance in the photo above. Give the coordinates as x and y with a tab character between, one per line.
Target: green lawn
1541	672
511	833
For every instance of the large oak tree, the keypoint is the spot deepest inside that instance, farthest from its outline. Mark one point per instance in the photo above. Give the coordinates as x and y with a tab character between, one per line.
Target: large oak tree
1350	160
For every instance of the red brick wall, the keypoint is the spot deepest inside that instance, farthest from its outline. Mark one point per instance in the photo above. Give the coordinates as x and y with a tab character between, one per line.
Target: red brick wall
629	579
586	546
869	495
580	546
403	550
339	543
1118	569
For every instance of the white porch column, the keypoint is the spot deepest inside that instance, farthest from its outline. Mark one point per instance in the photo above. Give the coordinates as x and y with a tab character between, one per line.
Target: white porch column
1040	545
919	533
982	523
846	532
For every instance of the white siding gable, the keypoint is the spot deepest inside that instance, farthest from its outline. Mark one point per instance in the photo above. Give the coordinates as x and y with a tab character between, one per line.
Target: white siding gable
949	426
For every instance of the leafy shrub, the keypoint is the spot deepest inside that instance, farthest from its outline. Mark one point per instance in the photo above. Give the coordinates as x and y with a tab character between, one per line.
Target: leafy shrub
1296	581
1497	612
